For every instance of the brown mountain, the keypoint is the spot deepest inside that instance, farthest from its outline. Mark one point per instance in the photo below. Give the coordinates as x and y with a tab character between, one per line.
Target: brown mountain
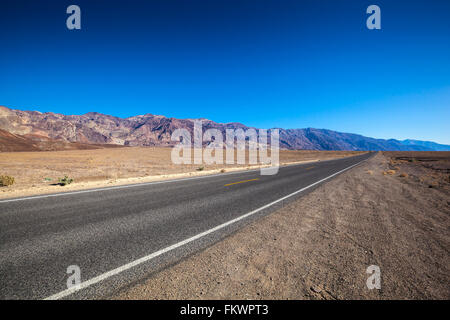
97	128
154	130
14	142
10	142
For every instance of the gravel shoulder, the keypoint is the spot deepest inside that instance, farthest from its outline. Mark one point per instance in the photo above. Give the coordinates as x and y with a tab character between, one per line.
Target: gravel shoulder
319	246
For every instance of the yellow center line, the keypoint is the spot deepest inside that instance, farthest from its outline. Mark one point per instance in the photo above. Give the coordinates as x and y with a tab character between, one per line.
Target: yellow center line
310	167
240	182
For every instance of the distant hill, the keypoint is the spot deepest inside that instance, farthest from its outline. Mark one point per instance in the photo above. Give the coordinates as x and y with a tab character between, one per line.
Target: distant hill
13	142
322	139
10	142
426	144
154	130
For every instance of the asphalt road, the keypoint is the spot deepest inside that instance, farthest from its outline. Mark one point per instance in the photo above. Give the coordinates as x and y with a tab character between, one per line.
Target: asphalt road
106	232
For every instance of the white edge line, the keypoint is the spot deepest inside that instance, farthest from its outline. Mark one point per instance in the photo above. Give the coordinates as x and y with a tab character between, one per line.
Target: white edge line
145	183
153	255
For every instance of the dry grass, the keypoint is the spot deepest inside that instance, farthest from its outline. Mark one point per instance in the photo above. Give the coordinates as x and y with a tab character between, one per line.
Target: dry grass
6	181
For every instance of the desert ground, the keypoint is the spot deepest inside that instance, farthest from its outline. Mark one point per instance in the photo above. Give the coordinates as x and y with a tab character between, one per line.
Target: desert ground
391	211
38	172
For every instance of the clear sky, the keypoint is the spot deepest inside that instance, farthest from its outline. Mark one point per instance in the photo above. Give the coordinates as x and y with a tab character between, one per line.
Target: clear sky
290	64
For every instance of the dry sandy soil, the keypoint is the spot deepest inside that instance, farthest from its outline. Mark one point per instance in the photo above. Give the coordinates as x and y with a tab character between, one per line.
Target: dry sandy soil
38	172
430	167
383	212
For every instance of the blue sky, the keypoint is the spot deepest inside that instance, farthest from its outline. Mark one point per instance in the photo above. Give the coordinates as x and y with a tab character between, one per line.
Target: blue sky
289	64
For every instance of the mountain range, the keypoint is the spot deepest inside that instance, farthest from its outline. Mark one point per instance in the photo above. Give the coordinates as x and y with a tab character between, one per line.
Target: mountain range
33	130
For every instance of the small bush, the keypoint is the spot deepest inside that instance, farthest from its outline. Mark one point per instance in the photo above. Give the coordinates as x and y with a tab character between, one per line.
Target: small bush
223	171
389	172
65	181
200	168
6	181
403	175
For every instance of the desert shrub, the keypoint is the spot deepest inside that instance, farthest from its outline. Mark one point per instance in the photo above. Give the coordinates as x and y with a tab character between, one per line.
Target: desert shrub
403	175
64	181
223	171
6	181
200	168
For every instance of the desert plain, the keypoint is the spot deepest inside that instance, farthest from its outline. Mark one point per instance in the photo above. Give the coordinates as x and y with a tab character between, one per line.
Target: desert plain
391	211
39	172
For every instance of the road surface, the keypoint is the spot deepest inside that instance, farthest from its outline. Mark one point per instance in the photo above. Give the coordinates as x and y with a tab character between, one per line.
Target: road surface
121	235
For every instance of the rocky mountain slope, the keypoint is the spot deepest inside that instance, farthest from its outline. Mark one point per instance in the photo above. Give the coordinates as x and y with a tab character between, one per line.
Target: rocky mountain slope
154	130
10	142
